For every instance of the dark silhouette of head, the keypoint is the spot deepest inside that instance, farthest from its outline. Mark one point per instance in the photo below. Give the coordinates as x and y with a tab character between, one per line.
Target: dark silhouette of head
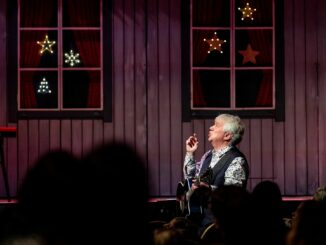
268	207
267	193
115	194
232	206
47	196
308	224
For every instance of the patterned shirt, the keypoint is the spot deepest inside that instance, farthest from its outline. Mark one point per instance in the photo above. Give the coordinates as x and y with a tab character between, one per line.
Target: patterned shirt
234	175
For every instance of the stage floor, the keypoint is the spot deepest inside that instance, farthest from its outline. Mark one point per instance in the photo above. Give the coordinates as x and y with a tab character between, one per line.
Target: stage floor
166	208
284	198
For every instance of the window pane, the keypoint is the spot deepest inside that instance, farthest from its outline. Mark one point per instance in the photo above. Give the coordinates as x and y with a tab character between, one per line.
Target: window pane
262	17
60	57
232	53
38	13
206	55
254	88
84	43
204	16
38	89
211	88
81	13
254	47
82	89
30	49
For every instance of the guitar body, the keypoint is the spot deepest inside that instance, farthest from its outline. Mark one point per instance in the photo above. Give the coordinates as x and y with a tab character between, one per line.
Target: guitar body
182	190
192	202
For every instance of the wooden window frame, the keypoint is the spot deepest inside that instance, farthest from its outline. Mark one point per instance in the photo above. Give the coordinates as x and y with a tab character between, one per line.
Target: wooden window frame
189	113
105	112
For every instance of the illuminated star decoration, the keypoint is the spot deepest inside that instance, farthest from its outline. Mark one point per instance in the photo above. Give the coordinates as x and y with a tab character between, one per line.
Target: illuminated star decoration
72	58
249	55
215	43
43	87
247	12
46	45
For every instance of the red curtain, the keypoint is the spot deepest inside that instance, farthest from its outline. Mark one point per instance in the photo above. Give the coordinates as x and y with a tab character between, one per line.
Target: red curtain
33	13
37	13
198	97
204	14
262	42
88	43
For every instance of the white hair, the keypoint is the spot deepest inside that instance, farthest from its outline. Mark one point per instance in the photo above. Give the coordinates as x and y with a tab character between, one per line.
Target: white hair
233	125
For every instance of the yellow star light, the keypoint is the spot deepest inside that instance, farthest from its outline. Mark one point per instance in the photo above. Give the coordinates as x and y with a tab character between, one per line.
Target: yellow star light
46	45
215	43
249	55
247	12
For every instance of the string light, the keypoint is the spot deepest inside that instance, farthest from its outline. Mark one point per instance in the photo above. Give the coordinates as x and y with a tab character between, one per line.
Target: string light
215	43
43	87
46	45
72	58
247	12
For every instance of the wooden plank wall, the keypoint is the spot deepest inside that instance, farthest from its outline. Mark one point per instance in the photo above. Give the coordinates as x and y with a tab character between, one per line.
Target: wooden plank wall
147	103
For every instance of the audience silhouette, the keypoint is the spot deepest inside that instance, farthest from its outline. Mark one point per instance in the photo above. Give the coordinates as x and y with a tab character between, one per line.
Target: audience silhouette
308	224
103	197
46	201
268	208
233	209
94	200
320	194
115	196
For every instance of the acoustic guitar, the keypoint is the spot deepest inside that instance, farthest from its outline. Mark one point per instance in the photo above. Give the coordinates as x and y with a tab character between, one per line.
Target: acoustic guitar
192	201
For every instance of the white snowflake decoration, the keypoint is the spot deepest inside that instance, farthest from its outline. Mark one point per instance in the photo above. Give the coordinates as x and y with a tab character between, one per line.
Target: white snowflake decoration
72	58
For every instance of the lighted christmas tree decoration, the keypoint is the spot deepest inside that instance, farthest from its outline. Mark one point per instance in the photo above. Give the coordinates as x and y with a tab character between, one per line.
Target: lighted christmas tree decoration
249	55
43	87
46	45
72	58
215	43
247	12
